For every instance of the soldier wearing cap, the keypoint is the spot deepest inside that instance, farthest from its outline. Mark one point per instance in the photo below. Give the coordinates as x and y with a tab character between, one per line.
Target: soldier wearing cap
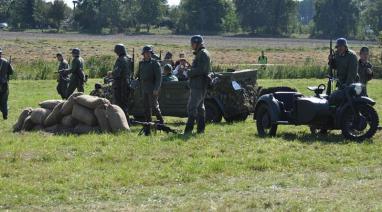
63	77
77	74
150	78
198	80
167	74
6	70
121	78
365	68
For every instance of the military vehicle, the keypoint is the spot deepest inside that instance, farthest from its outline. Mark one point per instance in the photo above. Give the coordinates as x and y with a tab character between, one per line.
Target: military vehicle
352	113
232	97
3	25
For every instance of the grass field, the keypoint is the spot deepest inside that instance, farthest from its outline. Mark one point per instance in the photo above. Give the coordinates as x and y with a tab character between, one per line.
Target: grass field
228	168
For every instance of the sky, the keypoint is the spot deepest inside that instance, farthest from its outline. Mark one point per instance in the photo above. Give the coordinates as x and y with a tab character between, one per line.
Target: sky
171	2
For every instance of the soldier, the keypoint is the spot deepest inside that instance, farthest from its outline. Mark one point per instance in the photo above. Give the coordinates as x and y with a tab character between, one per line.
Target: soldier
63	77
365	71
77	75
345	62
198	79
153	55
167	74
121	78
149	76
6	70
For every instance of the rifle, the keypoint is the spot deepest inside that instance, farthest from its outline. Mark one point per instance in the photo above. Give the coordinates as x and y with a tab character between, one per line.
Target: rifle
133	65
160	55
155	126
329	89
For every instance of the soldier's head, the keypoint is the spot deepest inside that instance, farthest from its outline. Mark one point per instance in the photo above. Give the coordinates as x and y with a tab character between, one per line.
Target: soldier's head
59	57
120	49
262	53
98	86
197	41
1	51
341	45
147	52
364	53
76	52
168	56
167	70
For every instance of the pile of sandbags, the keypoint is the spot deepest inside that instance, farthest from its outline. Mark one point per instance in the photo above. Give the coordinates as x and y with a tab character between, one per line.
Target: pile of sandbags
80	114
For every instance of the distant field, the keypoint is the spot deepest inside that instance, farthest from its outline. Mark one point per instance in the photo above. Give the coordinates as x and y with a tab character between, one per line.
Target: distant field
228	168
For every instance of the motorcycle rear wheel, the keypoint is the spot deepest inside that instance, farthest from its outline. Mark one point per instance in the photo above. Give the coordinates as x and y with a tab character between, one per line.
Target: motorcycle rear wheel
263	122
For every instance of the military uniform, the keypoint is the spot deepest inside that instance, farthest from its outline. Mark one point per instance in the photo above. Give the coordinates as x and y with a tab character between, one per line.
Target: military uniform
121	79
169	78
63	79
347	68
150	78
198	81
5	71
77	77
363	73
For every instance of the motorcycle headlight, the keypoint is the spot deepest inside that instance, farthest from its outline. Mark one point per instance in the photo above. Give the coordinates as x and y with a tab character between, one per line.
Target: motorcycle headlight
358	89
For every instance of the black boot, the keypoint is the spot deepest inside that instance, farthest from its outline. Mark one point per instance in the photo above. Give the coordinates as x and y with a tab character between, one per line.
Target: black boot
147	130
189	126
201	125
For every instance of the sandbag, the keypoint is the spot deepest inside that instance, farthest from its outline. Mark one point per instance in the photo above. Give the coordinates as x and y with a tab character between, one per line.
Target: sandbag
20	121
91	102
85	129
39	115
55	116
67	108
28	124
84	115
50	104
116	118
100	113
69	121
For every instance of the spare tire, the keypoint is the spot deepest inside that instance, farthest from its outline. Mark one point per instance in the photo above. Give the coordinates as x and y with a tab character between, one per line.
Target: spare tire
213	112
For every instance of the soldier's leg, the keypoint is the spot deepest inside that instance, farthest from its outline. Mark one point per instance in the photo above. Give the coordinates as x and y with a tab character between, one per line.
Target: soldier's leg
156	109
202	113
192	107
147	104
4	100
80	87
337	97
71	88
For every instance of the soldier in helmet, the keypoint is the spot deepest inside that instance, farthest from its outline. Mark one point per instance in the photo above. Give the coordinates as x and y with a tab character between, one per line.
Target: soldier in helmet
63	77
77	74
121	78
153	54
198	79
345	62
365	68
5	71
150	78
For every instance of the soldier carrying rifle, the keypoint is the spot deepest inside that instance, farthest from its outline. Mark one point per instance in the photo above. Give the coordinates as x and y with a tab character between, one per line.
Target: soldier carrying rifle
5	71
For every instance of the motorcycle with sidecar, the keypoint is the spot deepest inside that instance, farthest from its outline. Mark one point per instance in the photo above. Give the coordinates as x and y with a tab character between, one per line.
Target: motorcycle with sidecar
347	110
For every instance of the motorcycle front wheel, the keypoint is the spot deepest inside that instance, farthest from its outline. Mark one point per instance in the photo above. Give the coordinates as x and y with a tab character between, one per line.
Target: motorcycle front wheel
263	122
361	125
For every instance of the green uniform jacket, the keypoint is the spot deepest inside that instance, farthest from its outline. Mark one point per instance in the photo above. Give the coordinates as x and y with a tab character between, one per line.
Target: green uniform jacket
149	75
347	68
77	70
6	70
122	71
170	78
200	69
364	77
63	65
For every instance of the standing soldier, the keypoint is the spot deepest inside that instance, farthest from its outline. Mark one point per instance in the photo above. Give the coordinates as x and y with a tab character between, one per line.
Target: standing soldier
198	77
5	71
63	77
345	62
365	71
150	78
77	75
121	78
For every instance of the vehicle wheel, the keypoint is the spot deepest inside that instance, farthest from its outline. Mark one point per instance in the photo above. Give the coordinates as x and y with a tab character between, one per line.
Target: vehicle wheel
263	122
237	118
318	131
360	127
213	113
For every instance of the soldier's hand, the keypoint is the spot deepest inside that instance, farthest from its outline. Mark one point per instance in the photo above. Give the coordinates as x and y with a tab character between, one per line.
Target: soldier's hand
369	71
156	93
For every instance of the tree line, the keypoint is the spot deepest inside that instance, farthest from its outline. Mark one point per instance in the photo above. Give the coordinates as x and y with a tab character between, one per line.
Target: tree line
318	18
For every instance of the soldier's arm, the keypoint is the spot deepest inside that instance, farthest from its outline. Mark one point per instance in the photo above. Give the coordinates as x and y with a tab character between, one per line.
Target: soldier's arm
352	71
202	67
10	69
158	77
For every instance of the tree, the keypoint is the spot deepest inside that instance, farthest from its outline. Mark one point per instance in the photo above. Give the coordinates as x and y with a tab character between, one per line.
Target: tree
338	18
150	12
267	16
57	13
40	13
4	9
373	15
20	14
306	11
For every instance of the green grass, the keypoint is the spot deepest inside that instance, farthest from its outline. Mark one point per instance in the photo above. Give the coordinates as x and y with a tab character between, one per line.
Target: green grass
228	168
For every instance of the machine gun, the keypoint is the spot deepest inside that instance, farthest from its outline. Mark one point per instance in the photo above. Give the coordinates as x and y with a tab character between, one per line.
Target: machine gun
155	126
331	75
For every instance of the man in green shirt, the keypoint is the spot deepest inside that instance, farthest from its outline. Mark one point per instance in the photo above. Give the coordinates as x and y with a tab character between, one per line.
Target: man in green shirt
63	77
263	60
6	70
365	68
77	74
150	78
167	74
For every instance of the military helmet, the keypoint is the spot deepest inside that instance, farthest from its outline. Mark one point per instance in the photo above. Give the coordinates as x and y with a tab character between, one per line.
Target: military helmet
167	67
120	49
147	49
198	39
76	51
59	54
341	42
364	50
